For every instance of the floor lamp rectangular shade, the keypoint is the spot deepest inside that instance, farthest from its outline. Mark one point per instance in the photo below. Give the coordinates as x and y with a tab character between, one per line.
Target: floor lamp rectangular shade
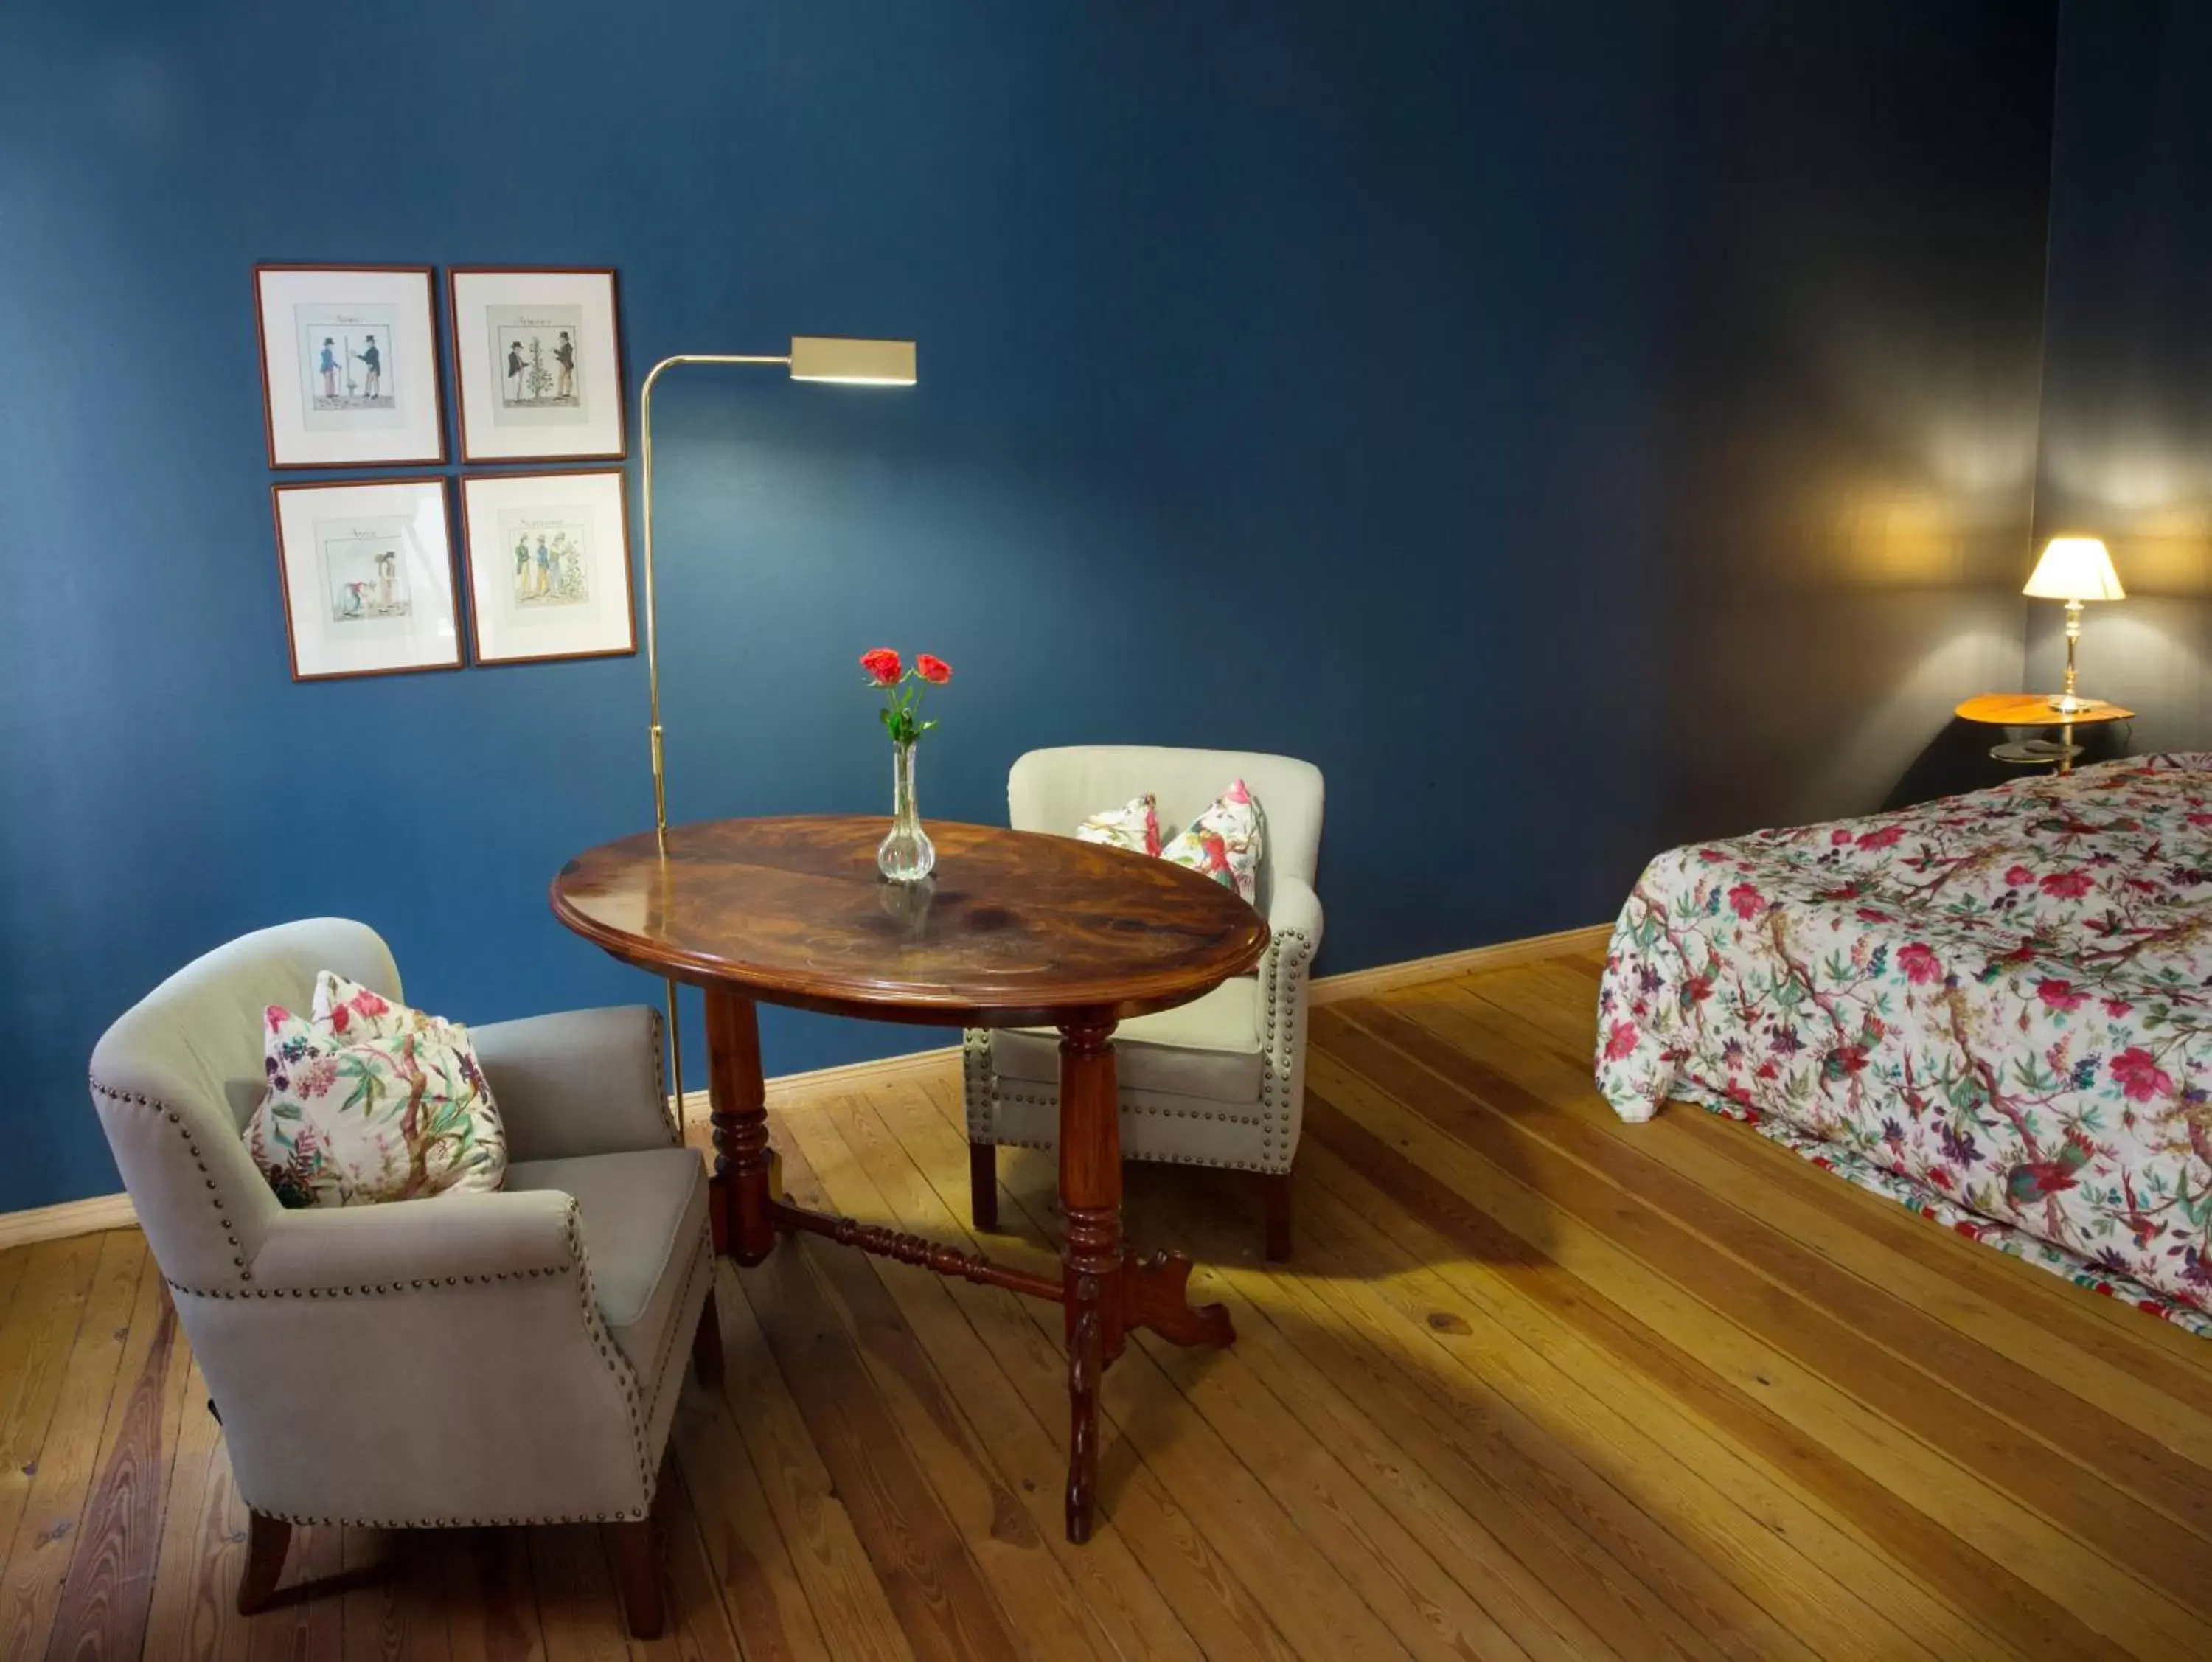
853	363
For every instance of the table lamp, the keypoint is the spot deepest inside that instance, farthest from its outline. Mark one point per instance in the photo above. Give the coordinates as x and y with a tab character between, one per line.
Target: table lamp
2074	570
811	357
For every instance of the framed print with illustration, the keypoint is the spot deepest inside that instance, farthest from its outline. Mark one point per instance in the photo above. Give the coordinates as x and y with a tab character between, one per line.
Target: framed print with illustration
349	365
367	576
538	364
548	558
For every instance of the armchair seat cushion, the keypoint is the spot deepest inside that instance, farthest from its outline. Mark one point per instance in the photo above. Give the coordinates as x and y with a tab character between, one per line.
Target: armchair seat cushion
1209	1047
643	1216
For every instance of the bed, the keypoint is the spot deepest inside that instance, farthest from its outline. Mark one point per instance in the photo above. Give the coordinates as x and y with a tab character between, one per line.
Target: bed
1994	1008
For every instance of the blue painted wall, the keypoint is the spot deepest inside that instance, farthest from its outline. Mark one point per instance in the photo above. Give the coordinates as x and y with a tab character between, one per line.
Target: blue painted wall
2127	431
1570	426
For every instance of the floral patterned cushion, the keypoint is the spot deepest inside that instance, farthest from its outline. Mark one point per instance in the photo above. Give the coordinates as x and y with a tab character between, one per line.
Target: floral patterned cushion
1224	842
348	1012
371	1101
1135	826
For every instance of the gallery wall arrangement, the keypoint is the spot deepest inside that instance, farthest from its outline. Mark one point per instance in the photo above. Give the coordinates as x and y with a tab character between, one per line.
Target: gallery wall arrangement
350	378
1471	400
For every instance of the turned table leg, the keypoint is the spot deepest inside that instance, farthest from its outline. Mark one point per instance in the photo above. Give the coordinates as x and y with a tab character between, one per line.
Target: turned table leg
1091	1261
1108	1289
744	1165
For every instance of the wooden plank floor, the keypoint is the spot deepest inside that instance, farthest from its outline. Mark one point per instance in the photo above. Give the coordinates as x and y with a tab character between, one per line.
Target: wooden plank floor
1539	1384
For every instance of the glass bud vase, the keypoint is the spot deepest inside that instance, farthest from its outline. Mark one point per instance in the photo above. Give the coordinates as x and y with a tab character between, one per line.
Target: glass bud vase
905	854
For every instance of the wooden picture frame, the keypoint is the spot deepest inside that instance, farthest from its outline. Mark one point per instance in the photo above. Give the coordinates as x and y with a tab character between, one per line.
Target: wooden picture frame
537	362
366	570
374	325
562	588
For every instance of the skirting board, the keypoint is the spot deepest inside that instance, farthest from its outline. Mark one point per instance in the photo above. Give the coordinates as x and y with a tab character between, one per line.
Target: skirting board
50	1223
86	1217
1386	977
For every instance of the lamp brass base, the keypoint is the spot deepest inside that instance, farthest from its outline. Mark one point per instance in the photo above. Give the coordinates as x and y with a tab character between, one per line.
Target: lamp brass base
2067	704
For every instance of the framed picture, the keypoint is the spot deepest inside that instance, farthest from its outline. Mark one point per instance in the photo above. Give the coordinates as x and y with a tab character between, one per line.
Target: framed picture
538	364
549	566
367	574
349	365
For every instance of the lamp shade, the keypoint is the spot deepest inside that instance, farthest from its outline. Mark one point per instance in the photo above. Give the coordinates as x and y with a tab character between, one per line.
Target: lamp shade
855	362
2075	569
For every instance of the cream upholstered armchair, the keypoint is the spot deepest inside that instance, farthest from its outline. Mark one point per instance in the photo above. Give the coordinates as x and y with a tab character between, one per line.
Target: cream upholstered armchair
506	1358
1218	1081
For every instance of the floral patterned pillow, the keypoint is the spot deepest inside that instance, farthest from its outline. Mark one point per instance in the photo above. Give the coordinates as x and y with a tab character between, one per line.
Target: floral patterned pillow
348	1012
371	1101
1135	826
1225	842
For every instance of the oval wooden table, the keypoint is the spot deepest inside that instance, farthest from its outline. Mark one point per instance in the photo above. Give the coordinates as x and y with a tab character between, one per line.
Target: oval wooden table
1015	929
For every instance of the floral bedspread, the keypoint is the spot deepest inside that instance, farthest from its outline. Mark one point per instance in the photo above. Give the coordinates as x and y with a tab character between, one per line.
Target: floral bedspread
1994	1008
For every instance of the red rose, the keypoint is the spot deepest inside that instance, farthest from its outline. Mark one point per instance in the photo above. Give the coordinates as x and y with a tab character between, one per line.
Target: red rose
1748	901
1888	836
1919	964
1620	1040
931	668
2066	885
2019	876
883	666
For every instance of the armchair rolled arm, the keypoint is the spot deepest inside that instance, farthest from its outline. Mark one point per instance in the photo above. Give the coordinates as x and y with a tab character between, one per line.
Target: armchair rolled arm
412	1364
448	1239
583	1082
1294	918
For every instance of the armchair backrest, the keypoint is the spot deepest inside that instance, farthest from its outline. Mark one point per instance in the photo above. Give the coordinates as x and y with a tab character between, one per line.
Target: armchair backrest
1055	790
178	1075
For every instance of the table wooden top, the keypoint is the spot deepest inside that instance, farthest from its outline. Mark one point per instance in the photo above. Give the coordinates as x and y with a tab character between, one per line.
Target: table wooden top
2032	709
1015	928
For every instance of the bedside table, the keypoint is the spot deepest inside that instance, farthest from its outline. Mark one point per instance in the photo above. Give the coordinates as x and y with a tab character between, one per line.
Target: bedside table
2033	709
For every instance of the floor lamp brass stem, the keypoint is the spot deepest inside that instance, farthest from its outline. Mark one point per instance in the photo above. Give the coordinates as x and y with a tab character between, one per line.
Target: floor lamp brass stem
652	666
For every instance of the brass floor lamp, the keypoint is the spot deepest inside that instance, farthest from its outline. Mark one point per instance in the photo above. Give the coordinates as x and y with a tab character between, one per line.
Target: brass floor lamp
811	357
